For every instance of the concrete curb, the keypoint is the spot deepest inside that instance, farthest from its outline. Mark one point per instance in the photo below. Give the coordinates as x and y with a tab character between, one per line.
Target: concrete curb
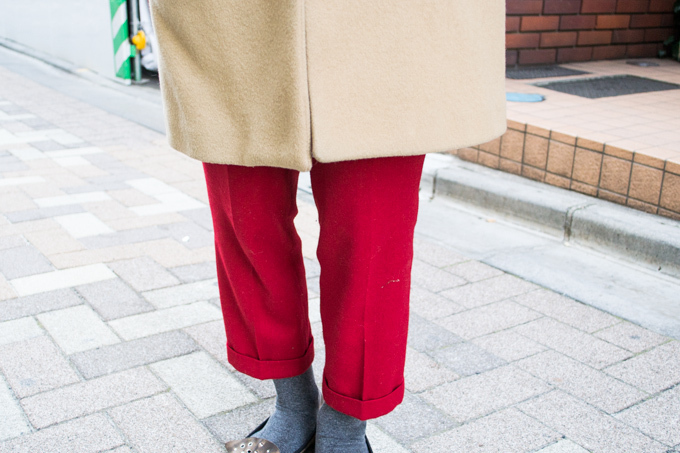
647	239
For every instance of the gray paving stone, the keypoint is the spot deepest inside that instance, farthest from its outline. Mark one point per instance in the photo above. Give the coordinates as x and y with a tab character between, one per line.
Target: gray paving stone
216	302
38	123
201	217
488	319
6	290
77	329
314	309
11	164
422	372
131	197
432	306
588	427
509	345
113	299
195	272
13	421
19	330
13	201
467	359
143	274
89	434
567	310
190	234
162	425
381	441
474	271
652	371
319	354
122	449
414	419
204	386
211	336
434	279
658	417
424	335
54	241
572	342
43	213
38	303
103	160
47	145
10	109
65	403
98	187
590	385
506	431
153	322
23	261
133	236
312	268
8	242
481	394
437	255
115	180
183	294
131	354
35	365
563	446
240	422
313	285
13	109
628	336
488	291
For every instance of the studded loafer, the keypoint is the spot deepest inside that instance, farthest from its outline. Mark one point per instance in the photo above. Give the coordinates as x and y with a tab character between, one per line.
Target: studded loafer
251	445
256	445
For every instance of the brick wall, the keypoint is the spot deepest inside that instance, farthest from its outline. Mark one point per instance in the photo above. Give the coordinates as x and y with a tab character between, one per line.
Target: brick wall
560	31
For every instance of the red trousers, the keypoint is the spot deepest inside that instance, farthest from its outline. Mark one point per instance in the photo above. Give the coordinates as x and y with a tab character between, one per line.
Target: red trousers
367	214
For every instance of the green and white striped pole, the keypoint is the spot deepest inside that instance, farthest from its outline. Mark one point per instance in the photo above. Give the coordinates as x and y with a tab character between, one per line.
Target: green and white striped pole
122	49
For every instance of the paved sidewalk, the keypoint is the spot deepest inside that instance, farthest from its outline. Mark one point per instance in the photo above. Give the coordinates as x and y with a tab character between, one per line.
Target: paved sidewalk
111	336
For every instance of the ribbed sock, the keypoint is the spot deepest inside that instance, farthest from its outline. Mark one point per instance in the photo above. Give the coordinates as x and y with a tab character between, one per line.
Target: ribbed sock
294	420
339	433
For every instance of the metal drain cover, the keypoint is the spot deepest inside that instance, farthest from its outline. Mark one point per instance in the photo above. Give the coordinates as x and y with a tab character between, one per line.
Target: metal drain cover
540	72
642	64
601	87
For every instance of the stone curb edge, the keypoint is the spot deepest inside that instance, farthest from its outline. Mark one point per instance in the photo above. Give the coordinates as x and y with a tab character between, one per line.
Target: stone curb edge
646	239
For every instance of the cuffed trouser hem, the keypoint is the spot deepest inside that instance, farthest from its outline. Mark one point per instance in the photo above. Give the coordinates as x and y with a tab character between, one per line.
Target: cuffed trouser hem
271	369
363	410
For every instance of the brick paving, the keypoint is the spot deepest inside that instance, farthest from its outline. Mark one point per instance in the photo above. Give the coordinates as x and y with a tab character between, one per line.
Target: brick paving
111	337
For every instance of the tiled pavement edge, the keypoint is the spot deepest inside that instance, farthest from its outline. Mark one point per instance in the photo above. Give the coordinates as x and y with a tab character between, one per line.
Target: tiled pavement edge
111	336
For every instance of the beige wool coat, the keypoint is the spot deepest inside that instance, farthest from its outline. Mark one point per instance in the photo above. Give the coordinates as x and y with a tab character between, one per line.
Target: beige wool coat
281	82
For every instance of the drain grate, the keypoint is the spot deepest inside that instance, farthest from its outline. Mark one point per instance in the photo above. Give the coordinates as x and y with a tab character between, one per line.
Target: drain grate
642	64
540	72
601	87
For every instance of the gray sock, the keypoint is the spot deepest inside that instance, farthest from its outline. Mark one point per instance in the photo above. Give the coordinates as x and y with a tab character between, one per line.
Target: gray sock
339	433
294	420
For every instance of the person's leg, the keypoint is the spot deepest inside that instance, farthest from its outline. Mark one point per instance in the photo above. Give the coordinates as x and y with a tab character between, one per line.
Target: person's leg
263	291
367	213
